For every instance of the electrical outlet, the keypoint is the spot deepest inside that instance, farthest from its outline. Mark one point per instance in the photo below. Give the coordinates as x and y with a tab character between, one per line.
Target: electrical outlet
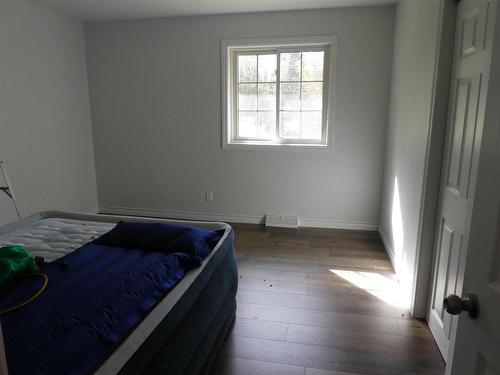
209	196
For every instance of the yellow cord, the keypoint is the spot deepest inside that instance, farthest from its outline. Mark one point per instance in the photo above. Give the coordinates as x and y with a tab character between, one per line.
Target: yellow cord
33	297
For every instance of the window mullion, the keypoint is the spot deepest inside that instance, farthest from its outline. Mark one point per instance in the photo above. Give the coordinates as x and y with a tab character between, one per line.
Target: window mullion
278	92
235	89
325	93
300	98
257	94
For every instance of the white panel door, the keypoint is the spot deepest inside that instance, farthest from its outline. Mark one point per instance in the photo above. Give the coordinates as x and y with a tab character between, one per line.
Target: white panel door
475	344
472	57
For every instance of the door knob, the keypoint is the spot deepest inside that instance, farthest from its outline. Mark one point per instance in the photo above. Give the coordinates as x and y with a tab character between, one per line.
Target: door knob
454	305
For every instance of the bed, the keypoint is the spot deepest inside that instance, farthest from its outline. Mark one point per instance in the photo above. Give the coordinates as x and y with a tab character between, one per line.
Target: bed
184	331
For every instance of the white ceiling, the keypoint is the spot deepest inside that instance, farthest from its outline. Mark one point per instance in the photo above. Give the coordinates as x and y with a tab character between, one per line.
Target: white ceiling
94	10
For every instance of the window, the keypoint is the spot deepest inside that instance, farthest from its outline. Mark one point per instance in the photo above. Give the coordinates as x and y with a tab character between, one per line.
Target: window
277	94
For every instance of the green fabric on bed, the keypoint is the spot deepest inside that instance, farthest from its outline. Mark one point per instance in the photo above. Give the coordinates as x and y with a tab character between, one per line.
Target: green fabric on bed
14	260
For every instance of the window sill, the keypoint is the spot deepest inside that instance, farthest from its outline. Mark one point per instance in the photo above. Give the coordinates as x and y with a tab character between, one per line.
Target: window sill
275	147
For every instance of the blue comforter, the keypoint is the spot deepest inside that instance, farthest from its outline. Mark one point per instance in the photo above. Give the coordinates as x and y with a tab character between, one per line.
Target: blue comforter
95	296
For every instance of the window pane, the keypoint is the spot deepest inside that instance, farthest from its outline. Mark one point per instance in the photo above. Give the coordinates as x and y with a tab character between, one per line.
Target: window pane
267	68
311	125
247	124
290	124
312	66
267	124
312	97
290	96
247	96
290	66
267	96
247	68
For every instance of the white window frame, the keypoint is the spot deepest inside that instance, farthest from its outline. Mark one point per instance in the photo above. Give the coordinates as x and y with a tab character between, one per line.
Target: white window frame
230	48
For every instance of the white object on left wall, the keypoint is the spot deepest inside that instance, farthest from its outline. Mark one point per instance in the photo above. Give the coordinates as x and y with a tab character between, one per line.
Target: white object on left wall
9	210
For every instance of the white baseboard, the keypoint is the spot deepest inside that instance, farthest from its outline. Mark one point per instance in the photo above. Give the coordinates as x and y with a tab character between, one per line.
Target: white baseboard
182	215
231	218
92	210
387	245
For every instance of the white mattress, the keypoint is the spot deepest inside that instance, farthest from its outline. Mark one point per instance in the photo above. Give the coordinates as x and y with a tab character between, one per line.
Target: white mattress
53	238
53	234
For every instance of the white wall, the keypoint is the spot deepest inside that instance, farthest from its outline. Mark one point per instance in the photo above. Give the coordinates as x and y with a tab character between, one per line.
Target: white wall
45	131
414	140
156	114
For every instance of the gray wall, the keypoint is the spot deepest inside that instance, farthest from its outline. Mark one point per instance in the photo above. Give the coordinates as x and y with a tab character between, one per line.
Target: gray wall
45	131
156	115
409	146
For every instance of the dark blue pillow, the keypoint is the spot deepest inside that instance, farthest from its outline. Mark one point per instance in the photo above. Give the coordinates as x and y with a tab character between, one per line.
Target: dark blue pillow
166	238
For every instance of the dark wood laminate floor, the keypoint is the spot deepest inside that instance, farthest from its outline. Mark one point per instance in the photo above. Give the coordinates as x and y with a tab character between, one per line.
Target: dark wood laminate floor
314	302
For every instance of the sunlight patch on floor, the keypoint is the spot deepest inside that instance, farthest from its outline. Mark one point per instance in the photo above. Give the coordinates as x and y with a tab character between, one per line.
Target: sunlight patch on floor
385	288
